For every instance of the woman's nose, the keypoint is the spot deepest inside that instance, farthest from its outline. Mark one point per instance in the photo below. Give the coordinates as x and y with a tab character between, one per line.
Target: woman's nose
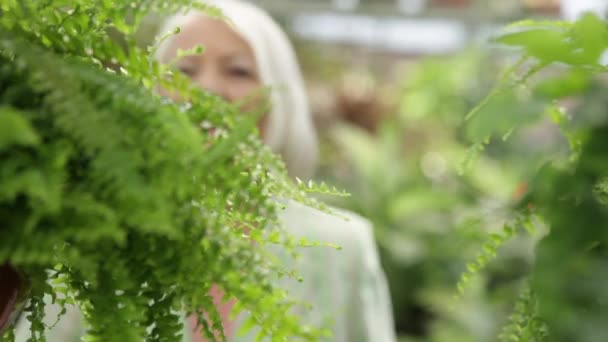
213	83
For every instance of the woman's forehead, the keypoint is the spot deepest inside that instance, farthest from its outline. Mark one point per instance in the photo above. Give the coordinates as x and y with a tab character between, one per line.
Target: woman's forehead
213	34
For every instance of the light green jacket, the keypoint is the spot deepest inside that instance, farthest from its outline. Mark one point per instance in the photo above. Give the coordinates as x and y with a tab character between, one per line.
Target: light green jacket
347	285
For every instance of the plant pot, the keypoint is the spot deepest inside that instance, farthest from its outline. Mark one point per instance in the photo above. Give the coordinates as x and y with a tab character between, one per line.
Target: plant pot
10	293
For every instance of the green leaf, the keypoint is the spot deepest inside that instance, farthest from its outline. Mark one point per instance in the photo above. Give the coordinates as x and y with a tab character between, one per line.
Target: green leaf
502	112
581	43
590	36
572	82
15	129
546	44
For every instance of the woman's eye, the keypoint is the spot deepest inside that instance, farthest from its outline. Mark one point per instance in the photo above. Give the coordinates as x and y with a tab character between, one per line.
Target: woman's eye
188	71
240	72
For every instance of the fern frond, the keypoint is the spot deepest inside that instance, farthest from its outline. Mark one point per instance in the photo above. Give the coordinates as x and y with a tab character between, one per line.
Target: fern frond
490	248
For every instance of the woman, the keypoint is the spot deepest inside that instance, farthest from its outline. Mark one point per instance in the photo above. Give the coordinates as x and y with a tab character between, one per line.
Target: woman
347	286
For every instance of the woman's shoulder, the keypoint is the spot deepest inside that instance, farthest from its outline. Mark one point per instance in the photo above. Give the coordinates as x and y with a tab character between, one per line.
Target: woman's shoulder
338	226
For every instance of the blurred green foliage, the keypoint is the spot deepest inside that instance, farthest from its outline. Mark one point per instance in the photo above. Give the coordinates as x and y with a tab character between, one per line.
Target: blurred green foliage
405	179
490	154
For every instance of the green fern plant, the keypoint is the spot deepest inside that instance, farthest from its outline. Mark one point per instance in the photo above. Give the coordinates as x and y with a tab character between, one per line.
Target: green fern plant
524	323
119	201
491	246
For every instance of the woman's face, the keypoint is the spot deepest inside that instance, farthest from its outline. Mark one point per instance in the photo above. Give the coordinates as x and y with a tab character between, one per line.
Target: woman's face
227	67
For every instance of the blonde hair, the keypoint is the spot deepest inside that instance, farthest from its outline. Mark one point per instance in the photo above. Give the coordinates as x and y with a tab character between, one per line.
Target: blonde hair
290	131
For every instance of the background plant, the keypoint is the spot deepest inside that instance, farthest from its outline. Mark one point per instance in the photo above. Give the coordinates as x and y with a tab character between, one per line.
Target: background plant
429	219
451	193
565	193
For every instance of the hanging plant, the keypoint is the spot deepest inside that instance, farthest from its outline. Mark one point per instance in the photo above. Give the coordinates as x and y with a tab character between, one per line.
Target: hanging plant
116	200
